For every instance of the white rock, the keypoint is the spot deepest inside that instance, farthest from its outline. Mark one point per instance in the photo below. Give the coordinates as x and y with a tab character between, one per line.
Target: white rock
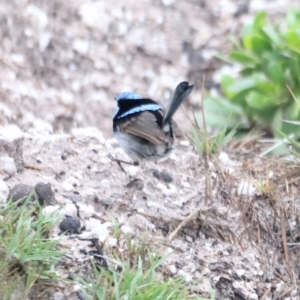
131	170
172	269
4	191
77	175
91	223
167	2
184	143
127	230
86	211
187	277
170	190
101	231
70	210
7	164
246	188
58	296
185	185
50	210
111	242
253	296
105	183
44	40
81	46
91	192
10	133
39	14
67	186
240	272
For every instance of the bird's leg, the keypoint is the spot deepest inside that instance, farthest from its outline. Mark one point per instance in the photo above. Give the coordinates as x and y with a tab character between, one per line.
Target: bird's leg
120	161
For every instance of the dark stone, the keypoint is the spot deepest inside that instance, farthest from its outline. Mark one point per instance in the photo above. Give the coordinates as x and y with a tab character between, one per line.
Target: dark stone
163	176
45	194
20	191
70	225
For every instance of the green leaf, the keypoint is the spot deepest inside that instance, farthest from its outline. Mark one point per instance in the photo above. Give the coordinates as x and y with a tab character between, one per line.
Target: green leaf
260	20
275	72
257	44
243	57
293	19
273	35
258	100
293	38
241	84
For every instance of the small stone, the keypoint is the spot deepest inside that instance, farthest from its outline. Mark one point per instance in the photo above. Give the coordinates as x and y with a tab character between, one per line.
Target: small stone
50	210
163	176
58	296
240	272
20	191
246	188
170	190
136	183
4	191
70	210
91	223
11	144
86	211
101	231
131	170
70	224
172	269
45	193
127	230
111	242
7	165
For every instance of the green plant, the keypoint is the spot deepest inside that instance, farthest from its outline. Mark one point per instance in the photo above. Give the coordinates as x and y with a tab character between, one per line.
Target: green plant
27	254
135	283
269	59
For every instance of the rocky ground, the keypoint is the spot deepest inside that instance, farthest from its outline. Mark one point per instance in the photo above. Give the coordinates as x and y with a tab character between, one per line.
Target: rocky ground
62	63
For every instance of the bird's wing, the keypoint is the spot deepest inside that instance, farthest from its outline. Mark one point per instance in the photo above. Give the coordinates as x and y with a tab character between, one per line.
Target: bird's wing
144	125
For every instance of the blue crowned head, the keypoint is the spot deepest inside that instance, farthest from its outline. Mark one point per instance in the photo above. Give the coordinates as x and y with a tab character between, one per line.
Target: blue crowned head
129	95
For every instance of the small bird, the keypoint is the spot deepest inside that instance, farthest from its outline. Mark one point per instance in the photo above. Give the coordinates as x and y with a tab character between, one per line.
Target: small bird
143	129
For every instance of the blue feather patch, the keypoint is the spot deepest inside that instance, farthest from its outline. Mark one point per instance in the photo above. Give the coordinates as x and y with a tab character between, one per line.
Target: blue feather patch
140	108
129	95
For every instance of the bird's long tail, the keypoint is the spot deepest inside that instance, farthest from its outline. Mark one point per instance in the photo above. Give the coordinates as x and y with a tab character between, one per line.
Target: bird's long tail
181	93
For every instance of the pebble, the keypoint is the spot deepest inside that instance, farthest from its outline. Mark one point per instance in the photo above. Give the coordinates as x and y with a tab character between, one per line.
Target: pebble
70	210
45	193
70	224
131	170
101	231
246	188
11	144
111	242
20	191
170	190
91	223
172	269
127	230
7	165
86	211
50	210
4	191
163	176
58	296
67	186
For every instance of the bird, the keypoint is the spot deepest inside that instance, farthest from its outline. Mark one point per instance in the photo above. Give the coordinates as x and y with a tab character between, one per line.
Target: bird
143	129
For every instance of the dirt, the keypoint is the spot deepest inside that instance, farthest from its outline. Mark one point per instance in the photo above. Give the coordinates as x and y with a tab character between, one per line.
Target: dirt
62	64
